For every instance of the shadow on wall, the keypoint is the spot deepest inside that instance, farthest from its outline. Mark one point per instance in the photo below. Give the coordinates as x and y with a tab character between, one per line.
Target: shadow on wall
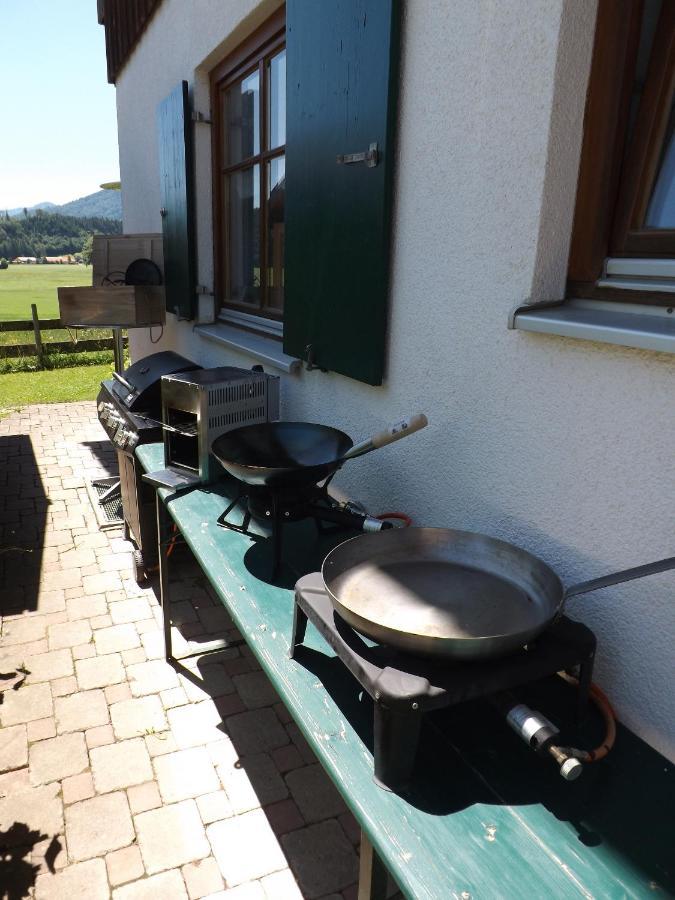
23	516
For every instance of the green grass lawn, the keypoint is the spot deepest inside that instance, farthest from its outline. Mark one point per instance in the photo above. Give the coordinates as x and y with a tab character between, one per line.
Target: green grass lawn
22	285
51	386
70	377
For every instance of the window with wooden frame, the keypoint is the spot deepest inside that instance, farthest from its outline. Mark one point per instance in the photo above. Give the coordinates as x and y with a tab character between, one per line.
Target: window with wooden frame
248	103
624	226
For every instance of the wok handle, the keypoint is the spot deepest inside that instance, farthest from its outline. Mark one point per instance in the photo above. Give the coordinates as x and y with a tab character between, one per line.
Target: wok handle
585	587
394	433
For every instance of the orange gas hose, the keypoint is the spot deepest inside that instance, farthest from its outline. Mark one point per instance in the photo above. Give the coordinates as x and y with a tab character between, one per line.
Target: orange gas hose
169	549
402	517
600	699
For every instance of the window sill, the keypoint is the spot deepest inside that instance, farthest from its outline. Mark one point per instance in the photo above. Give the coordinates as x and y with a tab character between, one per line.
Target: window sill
265	349
626	324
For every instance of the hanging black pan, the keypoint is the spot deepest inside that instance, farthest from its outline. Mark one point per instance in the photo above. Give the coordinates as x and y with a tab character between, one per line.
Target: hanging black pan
297	454
455	594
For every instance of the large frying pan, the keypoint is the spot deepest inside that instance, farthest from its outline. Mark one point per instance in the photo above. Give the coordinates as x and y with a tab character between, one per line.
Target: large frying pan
297	454
453	594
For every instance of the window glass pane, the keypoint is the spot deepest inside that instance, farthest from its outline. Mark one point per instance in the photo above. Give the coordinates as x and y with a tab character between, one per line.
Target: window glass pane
650	17
243	191
241	119
276	115
276	195
661	210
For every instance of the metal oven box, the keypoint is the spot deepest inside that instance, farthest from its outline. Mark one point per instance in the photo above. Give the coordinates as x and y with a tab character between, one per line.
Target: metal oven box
197	407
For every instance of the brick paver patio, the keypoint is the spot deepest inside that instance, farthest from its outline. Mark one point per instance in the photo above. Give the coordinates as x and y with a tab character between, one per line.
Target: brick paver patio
121	777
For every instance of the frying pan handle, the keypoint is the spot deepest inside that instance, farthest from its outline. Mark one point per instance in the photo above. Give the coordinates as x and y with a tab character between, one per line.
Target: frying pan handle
585	587
394	433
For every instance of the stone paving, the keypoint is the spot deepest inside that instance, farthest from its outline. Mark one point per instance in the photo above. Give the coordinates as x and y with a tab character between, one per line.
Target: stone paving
119	776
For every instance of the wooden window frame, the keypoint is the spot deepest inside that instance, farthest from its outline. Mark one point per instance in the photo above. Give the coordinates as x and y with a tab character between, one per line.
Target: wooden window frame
615	182
641	167
250	55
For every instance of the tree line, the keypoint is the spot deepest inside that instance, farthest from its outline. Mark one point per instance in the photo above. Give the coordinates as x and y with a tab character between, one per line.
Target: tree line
43	233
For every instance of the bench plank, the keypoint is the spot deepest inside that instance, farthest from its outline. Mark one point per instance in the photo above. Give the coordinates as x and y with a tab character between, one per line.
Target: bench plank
480	821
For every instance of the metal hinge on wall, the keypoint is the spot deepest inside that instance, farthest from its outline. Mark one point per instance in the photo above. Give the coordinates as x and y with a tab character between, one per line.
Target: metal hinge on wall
200	117
309	359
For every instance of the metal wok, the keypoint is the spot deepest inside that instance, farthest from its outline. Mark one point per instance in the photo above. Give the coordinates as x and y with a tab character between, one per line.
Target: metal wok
453	594
297	454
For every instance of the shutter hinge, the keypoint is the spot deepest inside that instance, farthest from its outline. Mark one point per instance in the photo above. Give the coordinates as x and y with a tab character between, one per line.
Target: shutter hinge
370	157
202	290
200	117
311	365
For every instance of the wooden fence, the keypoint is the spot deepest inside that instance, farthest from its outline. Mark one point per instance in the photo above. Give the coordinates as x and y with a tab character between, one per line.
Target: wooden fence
38	348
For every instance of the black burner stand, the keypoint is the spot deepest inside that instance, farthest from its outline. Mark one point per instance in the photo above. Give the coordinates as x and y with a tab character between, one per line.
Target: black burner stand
404	686
276	507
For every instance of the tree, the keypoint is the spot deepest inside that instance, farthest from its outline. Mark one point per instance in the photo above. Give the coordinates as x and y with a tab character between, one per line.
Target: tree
87	249
25	212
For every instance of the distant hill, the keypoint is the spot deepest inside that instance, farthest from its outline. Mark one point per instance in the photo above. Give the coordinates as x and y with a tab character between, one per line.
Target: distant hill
101	205
19	209
50	234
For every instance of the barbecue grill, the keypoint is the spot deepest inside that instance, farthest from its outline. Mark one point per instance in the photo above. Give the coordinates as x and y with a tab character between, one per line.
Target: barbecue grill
129	409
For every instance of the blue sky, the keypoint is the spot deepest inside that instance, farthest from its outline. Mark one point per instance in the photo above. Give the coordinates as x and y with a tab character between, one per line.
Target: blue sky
58	126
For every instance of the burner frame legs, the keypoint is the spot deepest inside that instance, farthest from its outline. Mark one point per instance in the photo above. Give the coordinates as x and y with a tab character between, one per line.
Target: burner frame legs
299	629
396	735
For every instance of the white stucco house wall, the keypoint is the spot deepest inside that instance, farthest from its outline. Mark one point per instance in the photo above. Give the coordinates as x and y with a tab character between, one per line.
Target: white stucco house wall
563	446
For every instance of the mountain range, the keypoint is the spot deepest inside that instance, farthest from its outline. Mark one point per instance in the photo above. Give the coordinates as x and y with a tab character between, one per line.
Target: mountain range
101	205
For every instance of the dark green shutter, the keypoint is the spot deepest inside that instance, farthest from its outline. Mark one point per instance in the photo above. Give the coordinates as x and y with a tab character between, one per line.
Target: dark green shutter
174	126
342	74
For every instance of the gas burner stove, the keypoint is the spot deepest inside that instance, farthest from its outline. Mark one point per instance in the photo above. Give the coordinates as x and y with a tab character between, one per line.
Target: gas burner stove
403	686
277	507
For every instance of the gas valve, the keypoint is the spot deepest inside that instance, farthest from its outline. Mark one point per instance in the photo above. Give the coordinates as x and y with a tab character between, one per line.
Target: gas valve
539	734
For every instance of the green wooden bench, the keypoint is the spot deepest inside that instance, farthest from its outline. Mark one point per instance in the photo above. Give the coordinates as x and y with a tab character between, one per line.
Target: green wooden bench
486	818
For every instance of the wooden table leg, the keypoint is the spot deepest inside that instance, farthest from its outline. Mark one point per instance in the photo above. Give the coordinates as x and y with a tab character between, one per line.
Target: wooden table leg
163	540
372	873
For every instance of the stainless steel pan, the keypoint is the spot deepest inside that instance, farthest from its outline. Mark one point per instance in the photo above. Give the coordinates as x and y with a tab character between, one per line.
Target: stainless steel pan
455	594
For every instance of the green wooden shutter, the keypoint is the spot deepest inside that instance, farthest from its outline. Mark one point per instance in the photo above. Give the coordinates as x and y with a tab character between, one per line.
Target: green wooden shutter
342	63
174	128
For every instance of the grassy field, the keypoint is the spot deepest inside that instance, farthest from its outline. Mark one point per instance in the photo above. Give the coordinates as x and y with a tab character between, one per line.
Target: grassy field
52	386
22	285
68	377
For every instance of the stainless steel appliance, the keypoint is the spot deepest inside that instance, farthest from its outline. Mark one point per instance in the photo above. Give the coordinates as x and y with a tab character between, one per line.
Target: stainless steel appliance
198	407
